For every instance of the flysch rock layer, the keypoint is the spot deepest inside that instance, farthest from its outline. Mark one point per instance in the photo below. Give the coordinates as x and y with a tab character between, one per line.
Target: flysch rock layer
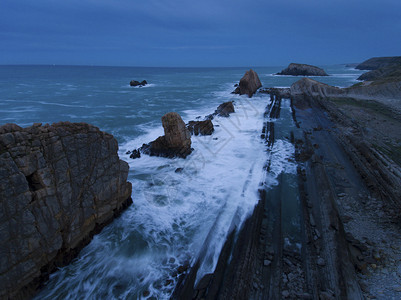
59	185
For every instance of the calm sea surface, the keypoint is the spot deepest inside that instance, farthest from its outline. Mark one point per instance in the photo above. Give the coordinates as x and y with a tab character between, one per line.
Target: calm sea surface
175	217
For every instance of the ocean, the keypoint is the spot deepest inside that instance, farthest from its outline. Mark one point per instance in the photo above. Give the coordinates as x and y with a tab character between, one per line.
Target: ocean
176	217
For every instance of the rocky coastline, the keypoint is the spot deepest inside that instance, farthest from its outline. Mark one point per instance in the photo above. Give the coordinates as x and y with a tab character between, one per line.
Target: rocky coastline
349	178
60	185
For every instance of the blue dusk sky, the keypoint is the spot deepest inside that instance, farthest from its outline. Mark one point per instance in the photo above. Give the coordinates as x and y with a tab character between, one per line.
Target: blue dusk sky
197	33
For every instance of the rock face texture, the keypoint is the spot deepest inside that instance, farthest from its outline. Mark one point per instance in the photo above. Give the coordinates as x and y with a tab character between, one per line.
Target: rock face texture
200	127
379	62
248	84
302	70
312	87
176	141
59	185
137	83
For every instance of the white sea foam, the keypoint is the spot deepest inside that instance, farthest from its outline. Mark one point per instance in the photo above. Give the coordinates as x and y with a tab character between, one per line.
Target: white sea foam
179	216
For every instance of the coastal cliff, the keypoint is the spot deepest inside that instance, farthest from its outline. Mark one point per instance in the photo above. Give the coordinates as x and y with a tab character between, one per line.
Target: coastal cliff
60	184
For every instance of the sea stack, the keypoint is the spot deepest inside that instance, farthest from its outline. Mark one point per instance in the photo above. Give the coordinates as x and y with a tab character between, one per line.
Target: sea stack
295	69
176	141
60	184
248	84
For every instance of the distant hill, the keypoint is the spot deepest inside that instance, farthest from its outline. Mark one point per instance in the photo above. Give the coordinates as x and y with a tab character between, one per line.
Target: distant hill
379	62
382	68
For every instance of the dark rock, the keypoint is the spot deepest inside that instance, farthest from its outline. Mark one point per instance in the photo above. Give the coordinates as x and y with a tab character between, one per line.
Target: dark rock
200	127
146	293
60	185
248	84
135	154
225	109
179	170
302	70
137	83
176	141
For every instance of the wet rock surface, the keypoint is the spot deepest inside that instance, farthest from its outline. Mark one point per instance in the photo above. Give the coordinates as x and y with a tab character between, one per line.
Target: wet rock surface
60	184
248	84
176	141
295	69
137	83
349	181
200	127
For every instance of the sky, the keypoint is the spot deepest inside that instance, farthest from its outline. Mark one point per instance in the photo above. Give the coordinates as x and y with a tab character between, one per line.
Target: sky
183	33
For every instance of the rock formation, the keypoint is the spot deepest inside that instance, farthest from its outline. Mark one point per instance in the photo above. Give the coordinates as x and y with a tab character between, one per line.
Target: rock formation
59	185
200	127
302	70
310	87
176	141
137	83
248	84
225	109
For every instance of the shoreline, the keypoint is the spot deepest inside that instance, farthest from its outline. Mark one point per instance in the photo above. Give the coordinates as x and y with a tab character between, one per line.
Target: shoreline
348	207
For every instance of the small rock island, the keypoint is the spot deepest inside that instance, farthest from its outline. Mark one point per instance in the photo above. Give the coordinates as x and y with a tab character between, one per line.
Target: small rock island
295	69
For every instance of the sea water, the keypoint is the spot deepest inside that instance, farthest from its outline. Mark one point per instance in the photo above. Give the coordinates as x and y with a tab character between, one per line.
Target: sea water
182	209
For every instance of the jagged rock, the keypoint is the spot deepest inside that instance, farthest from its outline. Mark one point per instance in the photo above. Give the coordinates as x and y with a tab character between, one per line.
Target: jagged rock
302	70
176	141
225	109
59	185
137	83
248	84
200	127
135	154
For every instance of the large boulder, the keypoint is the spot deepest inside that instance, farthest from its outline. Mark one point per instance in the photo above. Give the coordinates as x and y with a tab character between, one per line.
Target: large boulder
302	70
176	141
59	185
225	109
248	84
200	127
137	83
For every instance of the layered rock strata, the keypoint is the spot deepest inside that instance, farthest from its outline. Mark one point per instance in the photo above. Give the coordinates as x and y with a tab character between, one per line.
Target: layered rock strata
59	185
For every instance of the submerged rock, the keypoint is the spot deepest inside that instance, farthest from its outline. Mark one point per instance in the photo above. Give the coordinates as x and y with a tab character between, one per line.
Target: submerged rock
200	127
176	141
302	70
248	84
60	184
137	83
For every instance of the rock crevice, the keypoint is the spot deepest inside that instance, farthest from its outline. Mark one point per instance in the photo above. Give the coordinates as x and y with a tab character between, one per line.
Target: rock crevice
60	184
